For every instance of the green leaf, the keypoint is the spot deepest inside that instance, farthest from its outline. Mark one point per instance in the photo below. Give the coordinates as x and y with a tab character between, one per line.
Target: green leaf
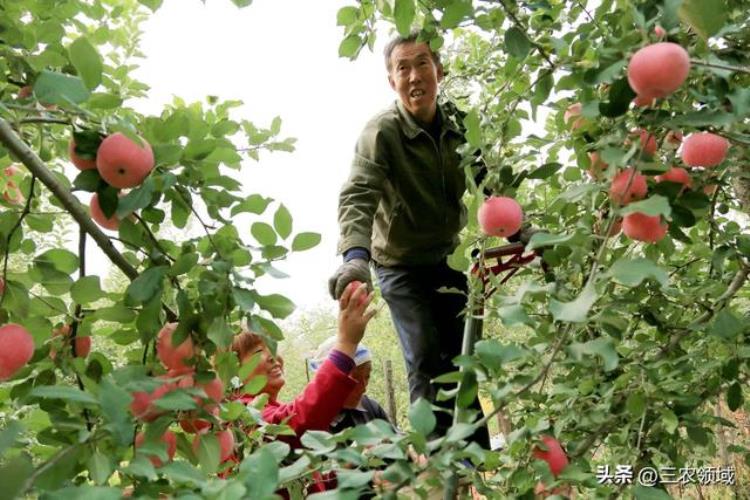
543	88
404	12
13	476
632	272
698	435
734	397
255	384
278	305
494	355
473	131
669	420
261	464
147	285
602	347
726	325
136	199
99	467
176	400
254	203
183	472
544	171
541	240
641	492
350	46
318	441
353	478
575	311
184	264
114	400
208	453
706	17
636	404
282	222
455	12
219	332
653	205
88	181
63	392
86	290
87	62
151	4
245	299
305	241
62	260
58	88
263	233
421	417
346	16
517	43
242	3
9	434
620	97
104	101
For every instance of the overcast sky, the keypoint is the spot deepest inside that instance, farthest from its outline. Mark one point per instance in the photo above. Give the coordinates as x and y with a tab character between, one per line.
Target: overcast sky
281	58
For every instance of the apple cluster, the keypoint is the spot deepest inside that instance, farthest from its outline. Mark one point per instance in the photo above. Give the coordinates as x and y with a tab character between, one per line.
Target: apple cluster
122	162
180	374
654	72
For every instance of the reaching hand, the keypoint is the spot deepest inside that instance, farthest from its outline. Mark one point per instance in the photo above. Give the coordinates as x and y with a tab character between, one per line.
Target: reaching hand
352	270
353	317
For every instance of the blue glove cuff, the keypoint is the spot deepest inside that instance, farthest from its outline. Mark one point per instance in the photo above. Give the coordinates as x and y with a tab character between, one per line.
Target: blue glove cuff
356	253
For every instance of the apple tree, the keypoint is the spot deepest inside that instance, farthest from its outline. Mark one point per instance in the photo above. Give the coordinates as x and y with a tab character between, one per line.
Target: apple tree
622	129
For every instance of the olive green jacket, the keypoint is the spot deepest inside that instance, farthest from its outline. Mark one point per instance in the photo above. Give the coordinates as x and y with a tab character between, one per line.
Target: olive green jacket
402	201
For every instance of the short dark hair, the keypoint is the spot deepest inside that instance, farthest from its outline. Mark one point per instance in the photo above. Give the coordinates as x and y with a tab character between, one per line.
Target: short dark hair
401	40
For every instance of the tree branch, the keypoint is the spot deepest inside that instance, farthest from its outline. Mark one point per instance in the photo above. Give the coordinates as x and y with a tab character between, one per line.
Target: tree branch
37	167
738	69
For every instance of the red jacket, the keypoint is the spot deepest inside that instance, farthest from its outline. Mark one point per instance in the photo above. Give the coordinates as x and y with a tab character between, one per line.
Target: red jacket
321	400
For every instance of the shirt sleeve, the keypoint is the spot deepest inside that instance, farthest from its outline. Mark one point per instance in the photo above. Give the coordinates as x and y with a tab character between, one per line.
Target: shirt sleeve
361	193
320	401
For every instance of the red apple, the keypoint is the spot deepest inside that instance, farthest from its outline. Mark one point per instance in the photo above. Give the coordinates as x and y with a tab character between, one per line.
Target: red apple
77	160
111	223
83	344
554	455
704	149
500	216
624	190
226	444
641	227
123	163
167	438
16	349
659	69
677	175
573	113
174	357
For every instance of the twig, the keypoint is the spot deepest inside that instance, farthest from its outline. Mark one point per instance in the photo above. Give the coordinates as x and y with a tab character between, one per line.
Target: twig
58	121
200	220
737	282
77	316
152	236
525	30
26	210
738	69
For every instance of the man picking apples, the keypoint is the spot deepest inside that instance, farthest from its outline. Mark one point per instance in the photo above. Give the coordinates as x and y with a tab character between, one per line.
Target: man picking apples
401	209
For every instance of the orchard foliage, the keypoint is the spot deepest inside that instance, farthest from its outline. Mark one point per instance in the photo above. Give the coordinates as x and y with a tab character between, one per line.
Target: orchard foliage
624	347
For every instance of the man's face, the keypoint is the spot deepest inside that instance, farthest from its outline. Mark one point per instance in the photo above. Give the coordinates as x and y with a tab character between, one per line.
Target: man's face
415	77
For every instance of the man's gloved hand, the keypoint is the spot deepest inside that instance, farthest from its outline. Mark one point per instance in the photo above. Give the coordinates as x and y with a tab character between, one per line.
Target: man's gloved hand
523	235
352	270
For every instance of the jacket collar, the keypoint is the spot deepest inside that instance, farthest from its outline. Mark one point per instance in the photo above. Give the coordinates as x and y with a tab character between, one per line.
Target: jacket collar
411	128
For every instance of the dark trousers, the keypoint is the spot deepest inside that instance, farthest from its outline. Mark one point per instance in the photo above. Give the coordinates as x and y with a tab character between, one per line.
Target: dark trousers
430	328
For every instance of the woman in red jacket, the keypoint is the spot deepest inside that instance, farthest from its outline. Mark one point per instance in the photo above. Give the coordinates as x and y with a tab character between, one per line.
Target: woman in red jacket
324	396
